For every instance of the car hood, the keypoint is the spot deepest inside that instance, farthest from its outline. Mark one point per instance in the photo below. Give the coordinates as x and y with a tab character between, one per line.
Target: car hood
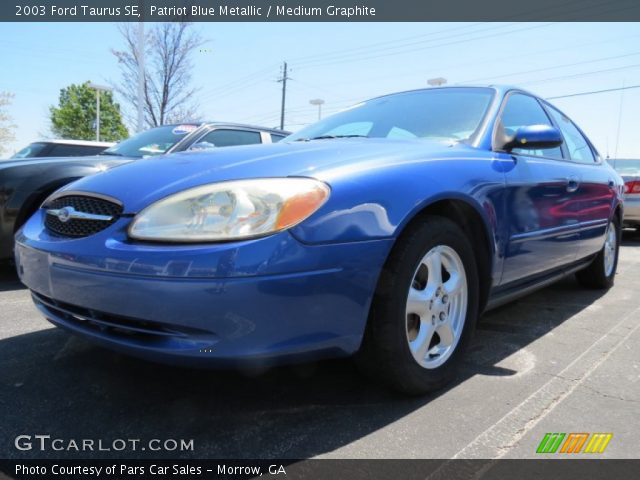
51	161
143	182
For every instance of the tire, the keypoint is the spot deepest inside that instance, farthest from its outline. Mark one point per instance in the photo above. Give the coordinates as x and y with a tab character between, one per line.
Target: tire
397	325
600	274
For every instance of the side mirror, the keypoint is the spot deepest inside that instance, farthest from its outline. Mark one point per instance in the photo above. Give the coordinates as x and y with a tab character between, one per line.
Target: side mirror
533	137
197	147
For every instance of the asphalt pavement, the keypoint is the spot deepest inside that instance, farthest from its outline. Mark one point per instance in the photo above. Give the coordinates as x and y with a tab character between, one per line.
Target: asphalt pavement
563	359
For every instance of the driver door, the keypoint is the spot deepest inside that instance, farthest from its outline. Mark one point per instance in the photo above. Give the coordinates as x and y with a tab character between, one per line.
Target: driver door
541	199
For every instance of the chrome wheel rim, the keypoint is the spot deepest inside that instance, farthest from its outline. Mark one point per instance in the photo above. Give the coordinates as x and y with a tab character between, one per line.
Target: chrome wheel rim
436	306
610	250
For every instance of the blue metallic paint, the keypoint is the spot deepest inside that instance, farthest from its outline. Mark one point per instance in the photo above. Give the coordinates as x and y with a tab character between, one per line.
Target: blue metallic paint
307	291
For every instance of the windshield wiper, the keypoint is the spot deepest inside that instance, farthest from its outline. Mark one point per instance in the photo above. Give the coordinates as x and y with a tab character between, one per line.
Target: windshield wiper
328	137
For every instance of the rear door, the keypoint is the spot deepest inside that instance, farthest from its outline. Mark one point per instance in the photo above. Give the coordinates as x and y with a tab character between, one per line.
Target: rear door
596	191
543	233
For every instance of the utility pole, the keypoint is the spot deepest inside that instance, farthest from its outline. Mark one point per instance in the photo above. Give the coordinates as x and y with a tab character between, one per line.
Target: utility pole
615	155
284	79
98	88
97	114
141	82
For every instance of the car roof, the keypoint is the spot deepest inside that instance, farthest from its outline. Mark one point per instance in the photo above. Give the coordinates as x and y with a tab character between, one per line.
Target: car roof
84	143
217	123
246	125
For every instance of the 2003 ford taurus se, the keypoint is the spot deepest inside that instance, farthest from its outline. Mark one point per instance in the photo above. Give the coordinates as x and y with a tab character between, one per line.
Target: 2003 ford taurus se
382	231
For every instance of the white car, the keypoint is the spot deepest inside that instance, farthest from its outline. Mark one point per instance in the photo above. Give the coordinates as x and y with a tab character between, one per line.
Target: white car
629	170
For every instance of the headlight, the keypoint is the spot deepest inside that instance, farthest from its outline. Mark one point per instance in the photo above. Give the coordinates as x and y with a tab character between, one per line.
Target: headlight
230	210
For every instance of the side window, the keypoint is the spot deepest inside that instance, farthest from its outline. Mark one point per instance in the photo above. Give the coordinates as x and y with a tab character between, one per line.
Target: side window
229	138
577	145
276	138
397	132
93	150
523	110
61	150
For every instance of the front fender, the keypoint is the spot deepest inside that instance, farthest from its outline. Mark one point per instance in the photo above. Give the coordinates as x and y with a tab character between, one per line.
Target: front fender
378	203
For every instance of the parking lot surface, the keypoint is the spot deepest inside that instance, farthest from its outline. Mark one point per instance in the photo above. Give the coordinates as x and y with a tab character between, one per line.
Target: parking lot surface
563	359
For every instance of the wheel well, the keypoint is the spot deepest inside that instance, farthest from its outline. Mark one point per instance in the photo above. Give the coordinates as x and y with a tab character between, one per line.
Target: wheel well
471	222
618	215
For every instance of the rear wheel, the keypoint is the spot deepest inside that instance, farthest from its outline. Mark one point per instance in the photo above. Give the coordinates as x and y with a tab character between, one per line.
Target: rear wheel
601	272
424	310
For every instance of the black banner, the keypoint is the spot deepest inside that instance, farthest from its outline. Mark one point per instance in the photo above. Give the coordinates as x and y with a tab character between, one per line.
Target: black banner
565	469
317	10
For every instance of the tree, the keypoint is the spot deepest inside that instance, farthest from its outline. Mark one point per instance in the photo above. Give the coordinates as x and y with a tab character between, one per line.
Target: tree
168	94
75	115
6	125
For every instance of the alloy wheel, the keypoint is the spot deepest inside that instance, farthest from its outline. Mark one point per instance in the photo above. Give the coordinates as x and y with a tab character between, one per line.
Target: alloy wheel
610	249
436	306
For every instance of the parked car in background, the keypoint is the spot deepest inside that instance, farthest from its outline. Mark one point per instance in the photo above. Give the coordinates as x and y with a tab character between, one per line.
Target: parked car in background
629	170
382	231
62	148
25	183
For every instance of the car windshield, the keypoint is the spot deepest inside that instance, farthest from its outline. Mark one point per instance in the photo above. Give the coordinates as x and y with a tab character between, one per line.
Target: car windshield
155	141
626	166
30	150
443	114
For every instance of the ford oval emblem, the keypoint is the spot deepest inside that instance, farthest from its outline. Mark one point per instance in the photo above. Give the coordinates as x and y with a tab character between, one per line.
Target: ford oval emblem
64	214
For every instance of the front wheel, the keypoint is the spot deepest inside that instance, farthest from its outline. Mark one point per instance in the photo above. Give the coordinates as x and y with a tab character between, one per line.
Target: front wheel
424	310
601	272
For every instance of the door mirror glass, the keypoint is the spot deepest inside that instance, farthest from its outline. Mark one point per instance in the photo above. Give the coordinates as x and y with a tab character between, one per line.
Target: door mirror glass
533	137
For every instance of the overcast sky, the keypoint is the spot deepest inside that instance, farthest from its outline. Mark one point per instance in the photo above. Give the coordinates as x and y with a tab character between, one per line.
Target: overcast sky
344	63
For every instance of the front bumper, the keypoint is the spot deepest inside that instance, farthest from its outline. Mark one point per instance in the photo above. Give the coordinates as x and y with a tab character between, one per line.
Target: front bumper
632	210
263	301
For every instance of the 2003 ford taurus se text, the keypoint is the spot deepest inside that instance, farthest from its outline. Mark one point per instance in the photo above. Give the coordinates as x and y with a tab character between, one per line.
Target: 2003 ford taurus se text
382	231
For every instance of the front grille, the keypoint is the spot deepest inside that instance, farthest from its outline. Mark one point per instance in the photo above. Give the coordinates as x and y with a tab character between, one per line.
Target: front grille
81	227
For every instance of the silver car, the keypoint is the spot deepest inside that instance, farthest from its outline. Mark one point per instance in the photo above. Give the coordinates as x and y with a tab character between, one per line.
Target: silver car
629	170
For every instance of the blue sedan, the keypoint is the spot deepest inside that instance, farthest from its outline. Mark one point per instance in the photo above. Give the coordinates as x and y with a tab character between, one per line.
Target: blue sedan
383	231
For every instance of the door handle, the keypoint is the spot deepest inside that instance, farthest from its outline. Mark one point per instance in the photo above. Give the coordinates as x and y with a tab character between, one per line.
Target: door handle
572	184
612	184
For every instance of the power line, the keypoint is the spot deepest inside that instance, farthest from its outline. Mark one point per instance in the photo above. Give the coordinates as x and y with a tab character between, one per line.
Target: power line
359	57
466	64
402	42
238	84
583	74
584	62
256	77
593	92
251	80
